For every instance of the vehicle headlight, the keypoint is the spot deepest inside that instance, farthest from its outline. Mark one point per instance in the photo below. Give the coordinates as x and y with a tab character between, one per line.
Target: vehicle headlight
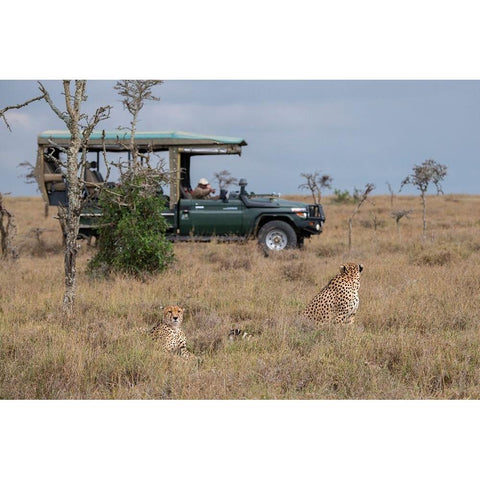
300	212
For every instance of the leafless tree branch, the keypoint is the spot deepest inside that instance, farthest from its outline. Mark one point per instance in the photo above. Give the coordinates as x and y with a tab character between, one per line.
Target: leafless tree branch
17	107
135	93
61	115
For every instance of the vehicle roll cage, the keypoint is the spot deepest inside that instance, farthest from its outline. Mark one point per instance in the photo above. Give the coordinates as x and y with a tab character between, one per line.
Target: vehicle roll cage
181	146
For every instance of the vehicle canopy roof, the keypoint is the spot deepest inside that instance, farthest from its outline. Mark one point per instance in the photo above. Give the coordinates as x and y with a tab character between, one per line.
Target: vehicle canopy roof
118	140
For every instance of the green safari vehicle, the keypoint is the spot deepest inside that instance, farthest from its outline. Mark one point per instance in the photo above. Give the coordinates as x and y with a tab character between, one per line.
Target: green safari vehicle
232	216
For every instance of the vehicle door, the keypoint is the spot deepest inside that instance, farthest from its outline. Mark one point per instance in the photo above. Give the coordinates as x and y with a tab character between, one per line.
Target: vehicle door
211	217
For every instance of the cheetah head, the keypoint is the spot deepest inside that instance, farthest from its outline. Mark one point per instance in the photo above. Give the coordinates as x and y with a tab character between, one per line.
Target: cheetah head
173	315
351	269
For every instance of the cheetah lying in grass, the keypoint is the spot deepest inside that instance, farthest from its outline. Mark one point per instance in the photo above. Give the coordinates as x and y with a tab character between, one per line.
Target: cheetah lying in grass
169	333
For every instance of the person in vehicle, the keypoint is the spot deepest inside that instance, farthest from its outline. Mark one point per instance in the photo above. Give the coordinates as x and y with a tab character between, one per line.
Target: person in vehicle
203	190
93	175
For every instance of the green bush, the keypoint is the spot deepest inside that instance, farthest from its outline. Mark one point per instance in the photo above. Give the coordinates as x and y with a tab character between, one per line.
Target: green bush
346	196
132	239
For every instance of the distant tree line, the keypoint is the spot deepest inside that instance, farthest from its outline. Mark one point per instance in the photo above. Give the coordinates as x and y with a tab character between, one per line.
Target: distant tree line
427	173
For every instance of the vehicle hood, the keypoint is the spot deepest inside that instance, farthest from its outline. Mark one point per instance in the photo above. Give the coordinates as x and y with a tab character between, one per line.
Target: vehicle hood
280	203
290	203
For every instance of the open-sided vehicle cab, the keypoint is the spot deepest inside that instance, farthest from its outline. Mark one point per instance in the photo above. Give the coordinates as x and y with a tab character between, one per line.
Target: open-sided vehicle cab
180	146
275	222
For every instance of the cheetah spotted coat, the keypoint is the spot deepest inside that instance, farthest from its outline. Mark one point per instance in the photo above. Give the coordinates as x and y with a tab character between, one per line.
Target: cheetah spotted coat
169	333
338	301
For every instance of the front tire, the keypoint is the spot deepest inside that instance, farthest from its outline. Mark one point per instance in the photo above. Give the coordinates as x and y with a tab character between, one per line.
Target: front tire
277	235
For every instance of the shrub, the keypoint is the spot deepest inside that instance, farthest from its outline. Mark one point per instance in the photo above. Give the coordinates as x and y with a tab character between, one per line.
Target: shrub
342	197
346	196
132	239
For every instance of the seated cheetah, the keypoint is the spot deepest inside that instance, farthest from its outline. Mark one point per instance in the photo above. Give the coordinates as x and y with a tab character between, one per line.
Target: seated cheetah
338	301
169	333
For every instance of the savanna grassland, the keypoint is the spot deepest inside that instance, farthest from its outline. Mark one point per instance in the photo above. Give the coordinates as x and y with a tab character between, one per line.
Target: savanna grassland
416	335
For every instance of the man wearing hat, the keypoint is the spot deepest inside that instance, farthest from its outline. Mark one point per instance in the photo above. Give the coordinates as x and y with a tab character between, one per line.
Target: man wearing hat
203	190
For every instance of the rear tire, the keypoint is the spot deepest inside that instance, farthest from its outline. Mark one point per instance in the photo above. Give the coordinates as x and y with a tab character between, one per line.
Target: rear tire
277	235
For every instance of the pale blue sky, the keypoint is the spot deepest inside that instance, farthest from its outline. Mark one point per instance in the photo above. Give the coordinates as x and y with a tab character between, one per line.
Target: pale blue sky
356	131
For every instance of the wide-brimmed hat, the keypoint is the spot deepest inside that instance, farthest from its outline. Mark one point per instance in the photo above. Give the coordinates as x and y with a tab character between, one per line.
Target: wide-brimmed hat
203	181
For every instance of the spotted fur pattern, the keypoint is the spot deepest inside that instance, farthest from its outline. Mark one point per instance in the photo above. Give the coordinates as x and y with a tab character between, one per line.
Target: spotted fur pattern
338	301
169	333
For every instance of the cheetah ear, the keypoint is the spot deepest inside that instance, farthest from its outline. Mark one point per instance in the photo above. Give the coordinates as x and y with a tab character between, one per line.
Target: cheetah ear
343	269
360	267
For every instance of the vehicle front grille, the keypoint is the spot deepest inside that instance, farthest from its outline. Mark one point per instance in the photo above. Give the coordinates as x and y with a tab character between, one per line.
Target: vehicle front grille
316	211
313	211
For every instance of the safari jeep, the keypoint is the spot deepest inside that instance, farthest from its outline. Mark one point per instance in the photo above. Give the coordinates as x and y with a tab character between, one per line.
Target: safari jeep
236	215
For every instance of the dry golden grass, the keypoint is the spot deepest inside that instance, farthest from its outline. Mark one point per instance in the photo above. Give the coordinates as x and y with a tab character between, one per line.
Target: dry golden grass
416	334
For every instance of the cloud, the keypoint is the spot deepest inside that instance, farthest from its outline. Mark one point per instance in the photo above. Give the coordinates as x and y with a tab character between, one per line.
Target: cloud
240	118
17	118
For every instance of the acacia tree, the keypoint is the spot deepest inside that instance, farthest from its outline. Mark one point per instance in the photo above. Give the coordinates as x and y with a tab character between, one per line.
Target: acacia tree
315	182
398	215
224	179
428	172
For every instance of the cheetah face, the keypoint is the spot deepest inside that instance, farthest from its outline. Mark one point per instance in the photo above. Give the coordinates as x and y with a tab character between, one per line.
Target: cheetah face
173	315
351	269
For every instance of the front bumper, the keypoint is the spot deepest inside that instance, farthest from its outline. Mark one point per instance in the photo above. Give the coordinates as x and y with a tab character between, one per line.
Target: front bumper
312	225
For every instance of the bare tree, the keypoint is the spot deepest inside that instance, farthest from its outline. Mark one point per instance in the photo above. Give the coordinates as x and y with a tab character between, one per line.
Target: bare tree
398	215
375	221
428	172
390	189
315	182
368	189
29	177
8	232
8	228
135	93
224	179
80	127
